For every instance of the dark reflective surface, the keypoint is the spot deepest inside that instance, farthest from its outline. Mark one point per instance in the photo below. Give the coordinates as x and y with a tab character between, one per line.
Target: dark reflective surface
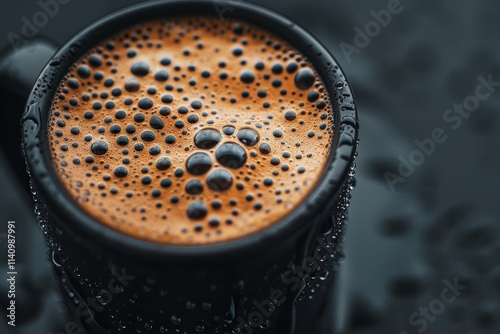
403	247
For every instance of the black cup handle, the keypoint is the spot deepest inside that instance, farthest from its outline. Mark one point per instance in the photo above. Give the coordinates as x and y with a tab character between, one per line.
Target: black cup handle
20	66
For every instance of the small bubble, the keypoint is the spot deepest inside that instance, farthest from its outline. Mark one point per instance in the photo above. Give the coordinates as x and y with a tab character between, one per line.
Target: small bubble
83	72
156	122
304	79
231	155
207	138
145	103
161	75
219	180
228	130
148	135
140	69
194	187
121	171
99	148
264	148
247	76
248	136
198	163
163	163
197	210
278	133
290	115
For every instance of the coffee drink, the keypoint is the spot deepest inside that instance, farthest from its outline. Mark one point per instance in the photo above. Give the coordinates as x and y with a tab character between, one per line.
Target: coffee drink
191	130
191	172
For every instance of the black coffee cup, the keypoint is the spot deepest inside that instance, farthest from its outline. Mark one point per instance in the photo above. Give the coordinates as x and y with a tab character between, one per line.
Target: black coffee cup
261	283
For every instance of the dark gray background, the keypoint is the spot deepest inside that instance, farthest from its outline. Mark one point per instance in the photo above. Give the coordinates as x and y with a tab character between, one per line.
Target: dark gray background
441	224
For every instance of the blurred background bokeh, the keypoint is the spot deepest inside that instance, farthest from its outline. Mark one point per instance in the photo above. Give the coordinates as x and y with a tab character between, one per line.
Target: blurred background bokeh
422	249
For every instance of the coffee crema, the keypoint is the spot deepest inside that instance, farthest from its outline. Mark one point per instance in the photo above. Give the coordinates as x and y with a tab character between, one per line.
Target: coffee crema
191	130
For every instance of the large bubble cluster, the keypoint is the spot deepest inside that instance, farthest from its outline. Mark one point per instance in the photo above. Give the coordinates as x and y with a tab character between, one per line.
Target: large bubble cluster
191	130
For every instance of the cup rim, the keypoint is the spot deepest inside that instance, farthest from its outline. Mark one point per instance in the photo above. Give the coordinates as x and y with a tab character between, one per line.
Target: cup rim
59	202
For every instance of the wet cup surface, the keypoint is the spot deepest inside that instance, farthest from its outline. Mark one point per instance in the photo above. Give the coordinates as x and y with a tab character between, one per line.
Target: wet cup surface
176	149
